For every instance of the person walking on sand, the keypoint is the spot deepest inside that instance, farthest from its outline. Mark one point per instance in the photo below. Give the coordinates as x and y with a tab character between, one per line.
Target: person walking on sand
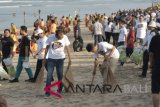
151	33
41	51
97	31
7	47
108	29
23	56
56	43
141	28
122	40
111	56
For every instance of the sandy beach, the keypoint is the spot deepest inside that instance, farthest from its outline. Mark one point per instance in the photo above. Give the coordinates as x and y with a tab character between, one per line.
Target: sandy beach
135	91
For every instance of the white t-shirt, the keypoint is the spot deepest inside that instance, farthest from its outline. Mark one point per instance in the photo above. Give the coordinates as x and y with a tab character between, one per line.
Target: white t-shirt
148	38
123	32
56	49
116	28
108	27
105	49
141	30
97	28
41	44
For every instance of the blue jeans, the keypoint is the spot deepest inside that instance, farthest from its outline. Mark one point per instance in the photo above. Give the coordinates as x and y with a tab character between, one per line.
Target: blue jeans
51	63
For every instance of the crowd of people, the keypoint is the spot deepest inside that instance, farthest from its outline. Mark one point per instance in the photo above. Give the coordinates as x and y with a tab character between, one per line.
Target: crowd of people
128	28
131	29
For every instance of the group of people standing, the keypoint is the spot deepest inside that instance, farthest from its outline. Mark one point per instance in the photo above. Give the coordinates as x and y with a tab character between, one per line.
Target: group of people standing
131	29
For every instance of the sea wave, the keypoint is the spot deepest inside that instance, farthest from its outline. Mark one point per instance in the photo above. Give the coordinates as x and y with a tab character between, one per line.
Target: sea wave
9	6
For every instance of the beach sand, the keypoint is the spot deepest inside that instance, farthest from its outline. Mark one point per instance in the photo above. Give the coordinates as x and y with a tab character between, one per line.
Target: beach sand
135	91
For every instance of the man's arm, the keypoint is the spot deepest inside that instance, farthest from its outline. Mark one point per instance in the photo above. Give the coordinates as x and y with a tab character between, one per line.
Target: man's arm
46	51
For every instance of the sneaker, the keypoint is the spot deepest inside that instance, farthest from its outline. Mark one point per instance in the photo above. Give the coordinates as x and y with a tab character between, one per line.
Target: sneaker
30	80
142	76
46	96
14	80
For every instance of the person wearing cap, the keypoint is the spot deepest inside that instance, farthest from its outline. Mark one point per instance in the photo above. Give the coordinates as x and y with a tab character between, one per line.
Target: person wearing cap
23	56
55	52
40	52
141	28
150	34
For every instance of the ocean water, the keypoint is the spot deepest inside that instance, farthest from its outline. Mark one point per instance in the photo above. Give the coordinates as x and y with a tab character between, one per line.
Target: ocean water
13	10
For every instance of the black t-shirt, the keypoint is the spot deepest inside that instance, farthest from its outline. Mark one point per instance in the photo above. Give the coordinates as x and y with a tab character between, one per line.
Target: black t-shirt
7	45
155	47
24	42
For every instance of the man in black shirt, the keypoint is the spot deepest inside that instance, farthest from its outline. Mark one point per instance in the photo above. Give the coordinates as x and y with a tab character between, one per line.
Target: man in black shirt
154	56
7	47
23	55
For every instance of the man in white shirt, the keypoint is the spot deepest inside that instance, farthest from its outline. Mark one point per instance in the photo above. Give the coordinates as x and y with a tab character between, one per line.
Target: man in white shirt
111	56
150	34
141	28
41	51
56	43
97	31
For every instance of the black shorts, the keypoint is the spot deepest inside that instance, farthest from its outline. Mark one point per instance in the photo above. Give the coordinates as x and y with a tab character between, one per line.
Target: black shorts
155	79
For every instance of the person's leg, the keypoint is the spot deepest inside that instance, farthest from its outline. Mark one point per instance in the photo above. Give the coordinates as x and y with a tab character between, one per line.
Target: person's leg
59	68
127	52
155	85
50	66
19	67
116	39
99	38
95	39
145	62
4	66
107	34
156	99
38	68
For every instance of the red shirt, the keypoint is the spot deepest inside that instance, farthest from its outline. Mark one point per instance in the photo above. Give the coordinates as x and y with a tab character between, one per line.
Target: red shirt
131	38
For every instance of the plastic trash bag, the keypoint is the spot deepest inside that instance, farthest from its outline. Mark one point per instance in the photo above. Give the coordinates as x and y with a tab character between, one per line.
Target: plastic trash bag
11	71
26	64
137	56
3	73
8	61
122	51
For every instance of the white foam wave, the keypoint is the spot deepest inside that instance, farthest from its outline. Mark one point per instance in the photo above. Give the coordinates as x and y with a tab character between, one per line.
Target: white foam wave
9	6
